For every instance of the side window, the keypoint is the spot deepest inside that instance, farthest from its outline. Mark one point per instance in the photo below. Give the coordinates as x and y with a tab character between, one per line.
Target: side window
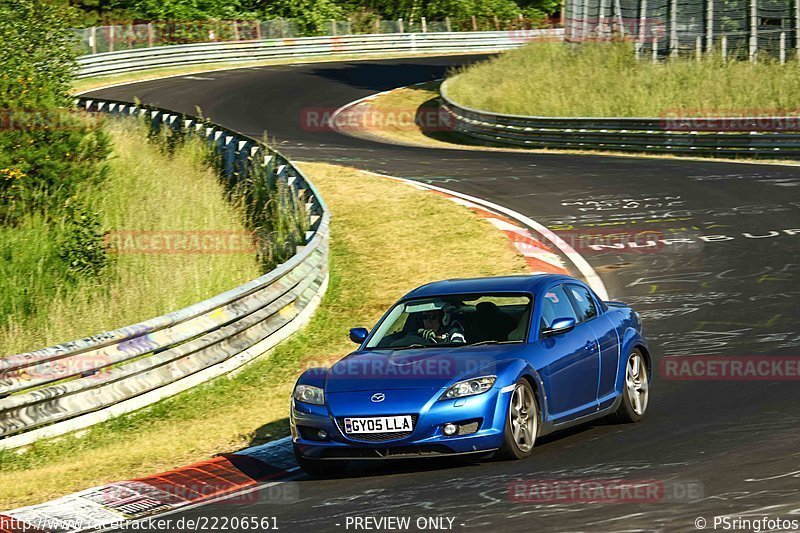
555	304
585	307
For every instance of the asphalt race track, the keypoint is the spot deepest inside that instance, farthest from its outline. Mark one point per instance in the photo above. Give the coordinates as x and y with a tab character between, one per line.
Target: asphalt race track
732	295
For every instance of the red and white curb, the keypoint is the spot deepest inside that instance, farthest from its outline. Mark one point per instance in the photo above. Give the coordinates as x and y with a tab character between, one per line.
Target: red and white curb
239	477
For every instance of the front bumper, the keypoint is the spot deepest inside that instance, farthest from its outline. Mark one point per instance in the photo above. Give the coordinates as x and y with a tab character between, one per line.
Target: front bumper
427	439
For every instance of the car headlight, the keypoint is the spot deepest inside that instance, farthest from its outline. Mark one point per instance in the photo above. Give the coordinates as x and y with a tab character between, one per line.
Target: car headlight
309	394
469	387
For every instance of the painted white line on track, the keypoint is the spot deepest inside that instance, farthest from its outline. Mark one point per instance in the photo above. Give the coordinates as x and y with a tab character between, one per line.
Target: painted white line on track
583	266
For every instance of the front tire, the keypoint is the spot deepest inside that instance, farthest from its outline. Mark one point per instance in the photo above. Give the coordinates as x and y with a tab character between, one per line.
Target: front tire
522	423
318	468
636	391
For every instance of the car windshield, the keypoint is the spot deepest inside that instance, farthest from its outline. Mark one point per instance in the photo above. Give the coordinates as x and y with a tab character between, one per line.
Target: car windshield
454	320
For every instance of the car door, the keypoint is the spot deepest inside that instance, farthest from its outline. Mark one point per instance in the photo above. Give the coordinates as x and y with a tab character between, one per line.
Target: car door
589	311
572	359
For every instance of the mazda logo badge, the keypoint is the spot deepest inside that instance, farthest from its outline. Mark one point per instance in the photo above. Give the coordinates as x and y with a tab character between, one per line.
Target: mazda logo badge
378	397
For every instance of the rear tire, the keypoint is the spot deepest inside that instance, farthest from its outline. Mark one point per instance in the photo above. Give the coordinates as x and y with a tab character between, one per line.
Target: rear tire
522	423
319	468
636	391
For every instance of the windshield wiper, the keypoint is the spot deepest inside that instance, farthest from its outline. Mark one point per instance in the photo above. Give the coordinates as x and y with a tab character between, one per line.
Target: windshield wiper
484	343
409	347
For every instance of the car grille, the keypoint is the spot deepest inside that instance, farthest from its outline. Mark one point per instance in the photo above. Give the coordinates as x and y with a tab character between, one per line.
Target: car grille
376	437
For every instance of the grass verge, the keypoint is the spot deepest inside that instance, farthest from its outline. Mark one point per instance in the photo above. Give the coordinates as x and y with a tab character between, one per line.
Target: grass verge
402	116
379	250
146	190
605	79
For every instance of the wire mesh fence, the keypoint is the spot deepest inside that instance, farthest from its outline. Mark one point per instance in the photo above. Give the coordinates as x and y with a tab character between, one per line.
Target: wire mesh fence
99	39
735	29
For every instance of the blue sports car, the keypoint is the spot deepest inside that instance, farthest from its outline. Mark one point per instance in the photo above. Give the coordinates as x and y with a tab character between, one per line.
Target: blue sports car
473	366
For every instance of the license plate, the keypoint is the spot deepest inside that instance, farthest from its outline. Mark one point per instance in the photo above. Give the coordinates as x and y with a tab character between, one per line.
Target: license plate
379	424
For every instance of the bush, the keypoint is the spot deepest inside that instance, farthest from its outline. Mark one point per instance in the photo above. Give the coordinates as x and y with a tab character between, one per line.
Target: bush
44	165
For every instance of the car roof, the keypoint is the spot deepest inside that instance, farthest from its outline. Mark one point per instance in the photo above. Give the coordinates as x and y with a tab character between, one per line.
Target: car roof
529	283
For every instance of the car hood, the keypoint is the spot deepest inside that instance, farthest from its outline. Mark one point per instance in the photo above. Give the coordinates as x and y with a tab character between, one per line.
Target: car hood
424	368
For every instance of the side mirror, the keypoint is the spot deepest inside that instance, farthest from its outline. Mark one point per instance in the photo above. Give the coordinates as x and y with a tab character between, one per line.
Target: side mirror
358	335
560	325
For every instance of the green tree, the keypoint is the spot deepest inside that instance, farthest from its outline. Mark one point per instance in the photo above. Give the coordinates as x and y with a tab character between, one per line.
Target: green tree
311	15
46	151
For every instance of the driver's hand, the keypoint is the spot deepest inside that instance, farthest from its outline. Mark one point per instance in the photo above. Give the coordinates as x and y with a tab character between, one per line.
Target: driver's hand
427	334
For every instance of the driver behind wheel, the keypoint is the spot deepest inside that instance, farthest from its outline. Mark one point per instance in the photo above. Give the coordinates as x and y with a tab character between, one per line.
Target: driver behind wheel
438	326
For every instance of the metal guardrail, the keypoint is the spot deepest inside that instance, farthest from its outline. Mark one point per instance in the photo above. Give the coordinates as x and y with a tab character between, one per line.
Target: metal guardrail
77	384
766	137
249	51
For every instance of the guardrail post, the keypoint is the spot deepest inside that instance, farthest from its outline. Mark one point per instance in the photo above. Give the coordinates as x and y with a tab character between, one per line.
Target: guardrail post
642	22
753	48
333	27
130	35
585	21
618	18
655	49
474	24
400	25
424	25
449	27
783	48
93	39
150	34
110	38
601	20
673	28
229	155
236	30
797	27
724	47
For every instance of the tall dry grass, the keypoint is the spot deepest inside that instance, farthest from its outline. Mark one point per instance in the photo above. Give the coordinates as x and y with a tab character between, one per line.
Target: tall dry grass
605	79
146	189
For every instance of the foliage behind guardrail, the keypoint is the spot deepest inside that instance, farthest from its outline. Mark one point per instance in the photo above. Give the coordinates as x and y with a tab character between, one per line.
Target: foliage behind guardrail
232	52
73	385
